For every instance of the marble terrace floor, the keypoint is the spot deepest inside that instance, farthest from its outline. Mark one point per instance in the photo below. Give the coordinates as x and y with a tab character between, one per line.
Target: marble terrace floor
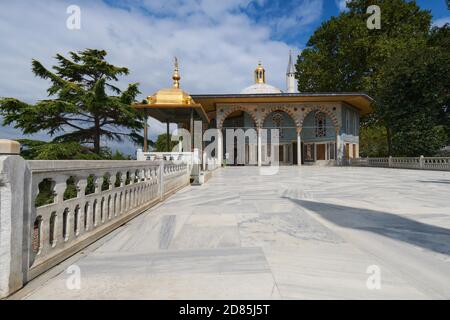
304	233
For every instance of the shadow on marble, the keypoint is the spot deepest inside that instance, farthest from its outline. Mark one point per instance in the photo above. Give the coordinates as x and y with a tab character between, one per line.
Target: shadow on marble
393	226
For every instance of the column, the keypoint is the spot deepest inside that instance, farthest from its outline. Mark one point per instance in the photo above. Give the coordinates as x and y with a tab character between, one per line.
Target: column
191	127
339	149
219	147
13	211
168	136
160	174
299	146
203	161
145	131
258	131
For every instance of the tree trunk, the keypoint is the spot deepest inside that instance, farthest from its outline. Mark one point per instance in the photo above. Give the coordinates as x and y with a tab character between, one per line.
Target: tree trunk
389	140
97	136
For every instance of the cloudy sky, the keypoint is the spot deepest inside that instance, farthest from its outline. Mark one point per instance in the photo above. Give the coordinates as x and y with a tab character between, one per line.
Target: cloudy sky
218	43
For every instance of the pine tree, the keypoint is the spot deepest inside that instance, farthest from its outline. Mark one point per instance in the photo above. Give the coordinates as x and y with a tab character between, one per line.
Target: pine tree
86	106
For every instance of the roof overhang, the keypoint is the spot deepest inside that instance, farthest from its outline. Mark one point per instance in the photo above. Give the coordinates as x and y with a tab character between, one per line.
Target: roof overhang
174	113
360	101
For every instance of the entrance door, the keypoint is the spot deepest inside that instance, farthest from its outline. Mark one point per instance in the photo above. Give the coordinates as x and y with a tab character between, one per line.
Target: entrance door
281	153
294	153
321	148
347	151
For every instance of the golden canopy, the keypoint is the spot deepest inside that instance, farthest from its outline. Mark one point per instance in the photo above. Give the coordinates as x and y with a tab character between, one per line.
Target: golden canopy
172	104
171	96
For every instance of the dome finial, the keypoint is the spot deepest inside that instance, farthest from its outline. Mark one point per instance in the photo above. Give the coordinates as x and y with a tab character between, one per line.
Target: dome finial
260	73
176	76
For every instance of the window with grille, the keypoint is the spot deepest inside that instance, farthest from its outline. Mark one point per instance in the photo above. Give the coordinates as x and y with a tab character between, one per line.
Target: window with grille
321	124
277	119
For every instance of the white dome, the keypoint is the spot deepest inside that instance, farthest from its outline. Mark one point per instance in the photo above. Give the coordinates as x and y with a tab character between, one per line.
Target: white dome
260	88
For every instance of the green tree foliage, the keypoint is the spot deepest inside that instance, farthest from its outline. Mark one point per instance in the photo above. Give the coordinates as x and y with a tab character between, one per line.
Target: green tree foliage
83	109
138	139
343	55
41	150
46	194
404	66
373	141
413	98
161	143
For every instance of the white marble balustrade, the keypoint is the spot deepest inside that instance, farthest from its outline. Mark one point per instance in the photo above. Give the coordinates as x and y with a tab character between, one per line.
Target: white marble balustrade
59	229
424	163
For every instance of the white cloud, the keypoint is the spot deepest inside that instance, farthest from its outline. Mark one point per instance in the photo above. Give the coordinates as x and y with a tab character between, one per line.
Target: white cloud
440	22
342	4
217	44
304	13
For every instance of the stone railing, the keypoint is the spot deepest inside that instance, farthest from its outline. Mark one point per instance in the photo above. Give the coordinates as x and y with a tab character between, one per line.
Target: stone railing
185	157
118	191
420	163
211	164
207	164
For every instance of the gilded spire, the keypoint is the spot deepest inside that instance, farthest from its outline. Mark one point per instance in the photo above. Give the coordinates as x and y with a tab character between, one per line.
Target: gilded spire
176	76
171	96
260	74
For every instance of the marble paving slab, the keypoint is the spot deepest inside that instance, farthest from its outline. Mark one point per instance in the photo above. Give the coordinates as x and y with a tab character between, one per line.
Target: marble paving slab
304	233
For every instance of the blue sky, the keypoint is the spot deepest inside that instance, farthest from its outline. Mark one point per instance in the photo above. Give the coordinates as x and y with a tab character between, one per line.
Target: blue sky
218	43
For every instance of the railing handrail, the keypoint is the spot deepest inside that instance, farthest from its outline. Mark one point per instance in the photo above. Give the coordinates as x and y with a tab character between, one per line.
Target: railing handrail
68	165
422	163
121	189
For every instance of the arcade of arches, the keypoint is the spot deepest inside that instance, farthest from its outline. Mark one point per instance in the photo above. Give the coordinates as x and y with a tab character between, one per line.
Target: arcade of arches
308	134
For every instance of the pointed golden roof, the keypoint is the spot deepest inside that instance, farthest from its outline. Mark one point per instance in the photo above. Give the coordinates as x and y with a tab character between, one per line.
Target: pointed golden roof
171	96
172	104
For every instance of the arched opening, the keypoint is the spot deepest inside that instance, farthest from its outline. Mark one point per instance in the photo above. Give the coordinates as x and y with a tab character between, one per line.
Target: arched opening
46	194
65	231
286	152
52	229
239	139
119	211
37	235
86	216
102	210
115	205
318	138
94	213
76	220
110	207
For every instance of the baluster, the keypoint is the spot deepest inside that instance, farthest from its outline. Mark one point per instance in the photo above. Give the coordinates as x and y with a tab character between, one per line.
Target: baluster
59	187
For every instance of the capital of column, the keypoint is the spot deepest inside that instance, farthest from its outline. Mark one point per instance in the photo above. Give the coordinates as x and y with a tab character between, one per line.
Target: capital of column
338	130
299	130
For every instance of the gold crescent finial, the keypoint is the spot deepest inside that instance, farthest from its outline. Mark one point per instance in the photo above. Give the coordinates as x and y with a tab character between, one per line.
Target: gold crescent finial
176	76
